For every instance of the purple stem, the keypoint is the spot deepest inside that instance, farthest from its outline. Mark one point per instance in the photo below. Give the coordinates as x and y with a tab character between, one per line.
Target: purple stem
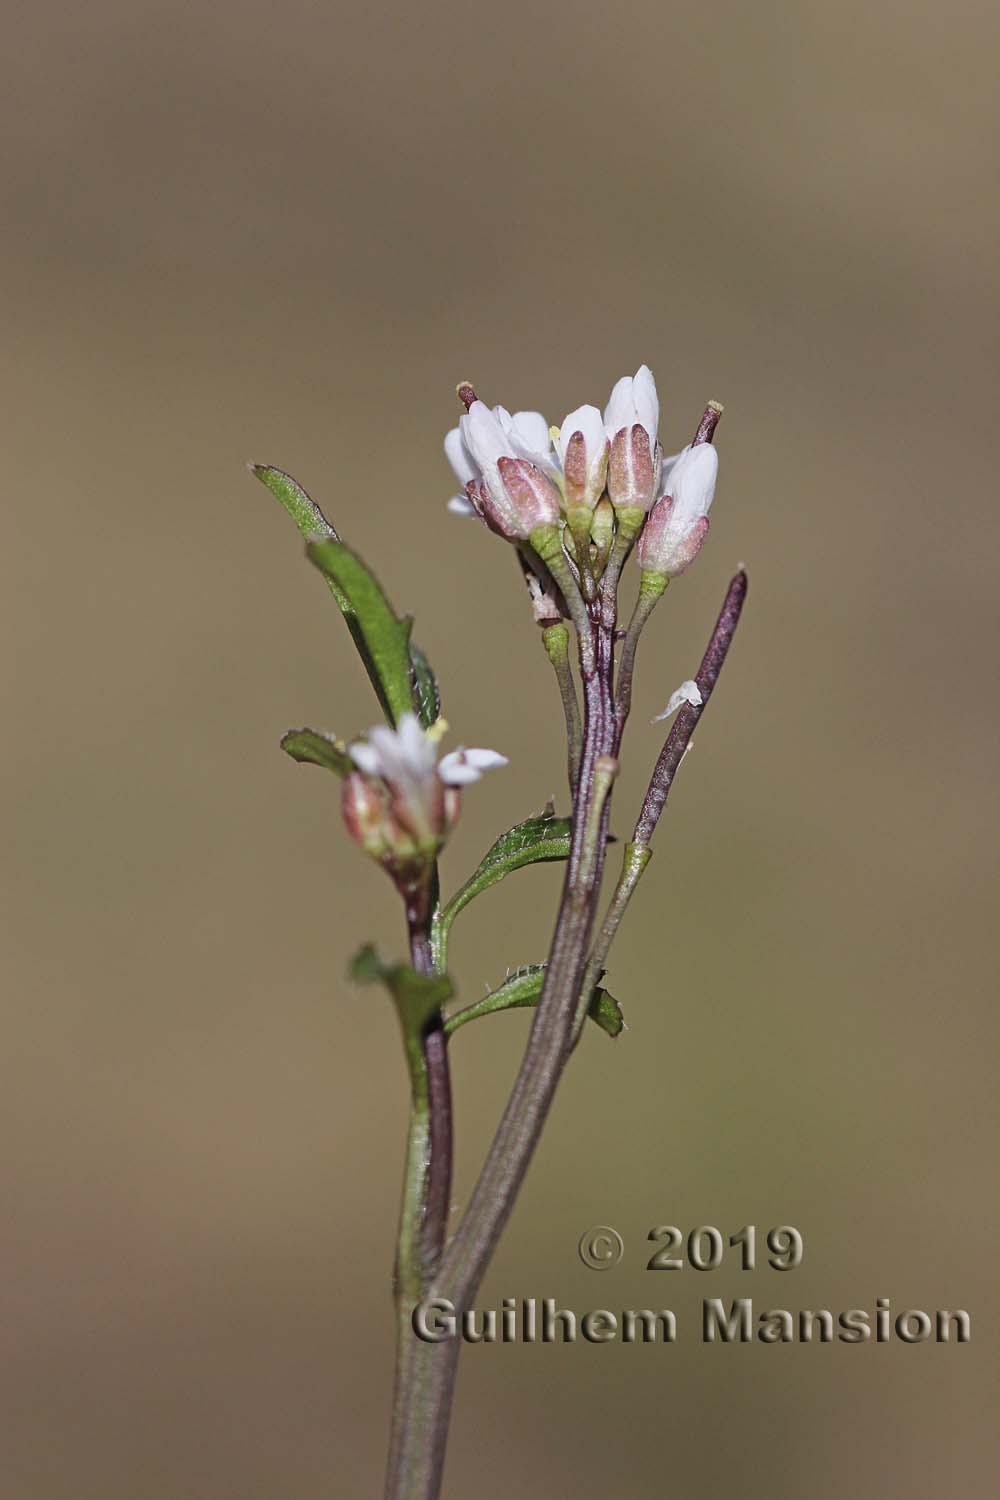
683	728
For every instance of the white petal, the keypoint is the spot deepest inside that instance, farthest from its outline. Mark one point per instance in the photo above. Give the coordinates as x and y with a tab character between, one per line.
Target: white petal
530	430
588	420
455	772
365	758
463	766
647	404
666	469
459	456
418	750
688	692
486	760
484	437
461	505
620	410
692	483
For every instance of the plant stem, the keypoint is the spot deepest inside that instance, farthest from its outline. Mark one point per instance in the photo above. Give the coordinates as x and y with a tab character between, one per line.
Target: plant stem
651	590
428	1372
426	1200
683	728
437	1199
556	641
637	852
636	858
547	542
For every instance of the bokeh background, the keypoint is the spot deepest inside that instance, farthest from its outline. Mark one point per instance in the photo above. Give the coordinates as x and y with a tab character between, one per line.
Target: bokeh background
243	231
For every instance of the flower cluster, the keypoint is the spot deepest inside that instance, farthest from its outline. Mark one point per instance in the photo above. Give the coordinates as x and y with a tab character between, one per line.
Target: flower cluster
401	802
523	478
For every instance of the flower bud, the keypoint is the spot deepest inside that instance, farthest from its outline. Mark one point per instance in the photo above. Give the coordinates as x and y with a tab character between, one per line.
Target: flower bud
678	523
631	469
401	803
583	446
631	419
535	499
602	528
365	807
509	490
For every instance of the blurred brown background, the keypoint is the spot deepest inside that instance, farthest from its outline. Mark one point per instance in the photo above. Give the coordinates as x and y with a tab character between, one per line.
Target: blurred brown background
283	233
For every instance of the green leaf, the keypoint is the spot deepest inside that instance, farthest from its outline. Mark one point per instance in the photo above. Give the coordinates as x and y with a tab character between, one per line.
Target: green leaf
382	638
418	999
426	697
399	671
303	510
523	988
532	842
312	747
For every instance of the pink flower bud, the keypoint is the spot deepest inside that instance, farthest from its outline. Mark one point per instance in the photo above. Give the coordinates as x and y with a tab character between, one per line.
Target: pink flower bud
678	523
535	499
631	469
365	810
583	446
502	461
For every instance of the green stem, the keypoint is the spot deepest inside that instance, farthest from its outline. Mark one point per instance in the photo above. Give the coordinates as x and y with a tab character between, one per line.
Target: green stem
547	542
556	641
651	590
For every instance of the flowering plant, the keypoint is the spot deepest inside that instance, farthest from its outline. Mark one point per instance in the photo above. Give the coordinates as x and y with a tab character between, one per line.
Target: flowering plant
574	502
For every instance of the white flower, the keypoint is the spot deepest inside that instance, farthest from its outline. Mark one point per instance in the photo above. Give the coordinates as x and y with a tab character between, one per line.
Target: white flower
691	480
582	446
631	420
633	401
515	477
678	523
406	759
506	466
688	692
407	756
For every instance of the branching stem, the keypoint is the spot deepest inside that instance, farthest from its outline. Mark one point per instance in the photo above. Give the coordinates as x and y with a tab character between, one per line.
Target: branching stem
426	1370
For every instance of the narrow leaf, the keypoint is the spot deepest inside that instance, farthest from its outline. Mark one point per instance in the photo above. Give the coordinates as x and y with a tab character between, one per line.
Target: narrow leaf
416	688
534	841
523	988
382	638
418	999
301	507
312	747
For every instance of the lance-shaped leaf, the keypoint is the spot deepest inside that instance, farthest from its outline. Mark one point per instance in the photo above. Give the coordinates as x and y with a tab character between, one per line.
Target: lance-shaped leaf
418	999
312	747
301	507
382	638
523	988
532	842
399	671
